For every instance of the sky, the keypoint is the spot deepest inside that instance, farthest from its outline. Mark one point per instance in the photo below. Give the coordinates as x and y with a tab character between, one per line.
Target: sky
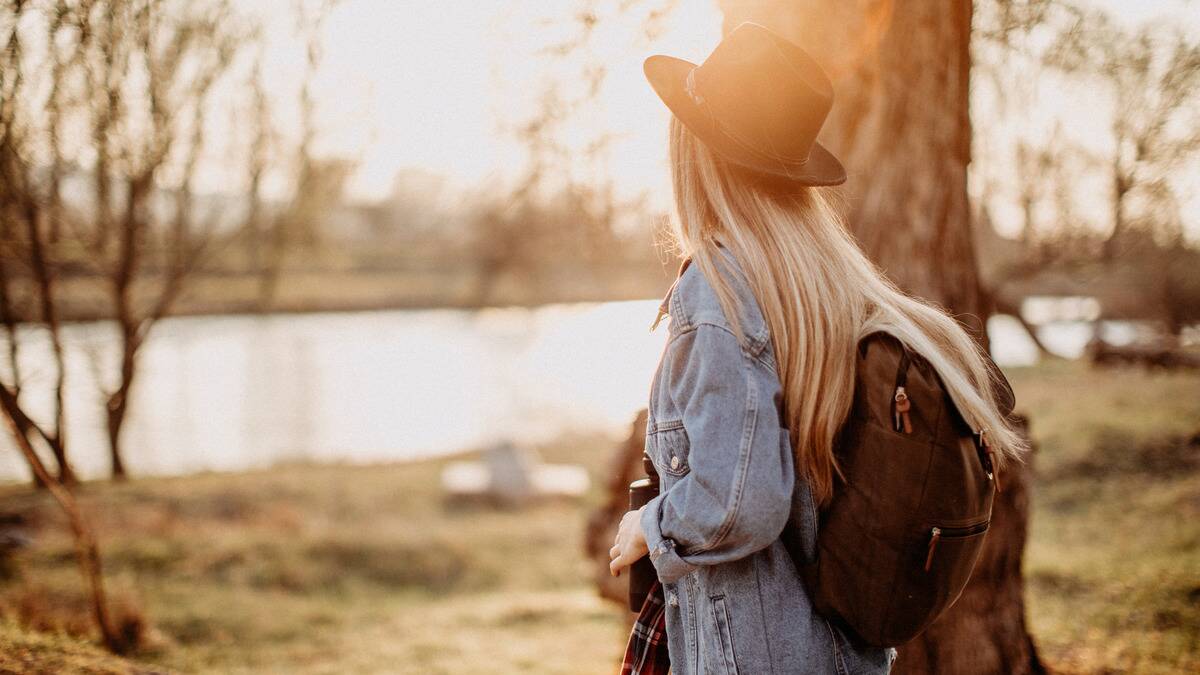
439	87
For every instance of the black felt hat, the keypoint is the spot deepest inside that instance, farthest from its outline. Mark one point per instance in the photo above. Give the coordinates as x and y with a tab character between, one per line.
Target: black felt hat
758	101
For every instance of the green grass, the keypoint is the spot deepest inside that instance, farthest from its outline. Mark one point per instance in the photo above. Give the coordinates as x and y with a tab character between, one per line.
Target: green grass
1113	563
308	569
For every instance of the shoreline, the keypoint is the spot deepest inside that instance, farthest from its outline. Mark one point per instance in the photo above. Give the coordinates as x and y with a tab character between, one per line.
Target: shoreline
85	299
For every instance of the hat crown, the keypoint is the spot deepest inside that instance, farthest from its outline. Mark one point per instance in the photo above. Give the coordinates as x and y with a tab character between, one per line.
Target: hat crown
758	101
766	91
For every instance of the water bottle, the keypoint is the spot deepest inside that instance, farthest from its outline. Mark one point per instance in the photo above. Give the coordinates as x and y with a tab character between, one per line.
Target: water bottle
641	574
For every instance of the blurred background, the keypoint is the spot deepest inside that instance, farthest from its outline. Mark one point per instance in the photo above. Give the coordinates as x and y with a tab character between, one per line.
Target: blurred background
325	322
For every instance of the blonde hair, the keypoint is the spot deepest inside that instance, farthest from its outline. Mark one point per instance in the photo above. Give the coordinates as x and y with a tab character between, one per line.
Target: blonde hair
819	295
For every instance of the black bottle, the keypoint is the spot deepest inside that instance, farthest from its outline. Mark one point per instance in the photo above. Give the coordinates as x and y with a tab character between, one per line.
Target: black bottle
641	574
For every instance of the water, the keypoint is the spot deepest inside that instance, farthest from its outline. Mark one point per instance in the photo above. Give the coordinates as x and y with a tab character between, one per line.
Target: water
228	393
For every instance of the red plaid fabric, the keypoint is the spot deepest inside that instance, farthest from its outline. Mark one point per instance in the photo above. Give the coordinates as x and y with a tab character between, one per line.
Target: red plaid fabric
646	653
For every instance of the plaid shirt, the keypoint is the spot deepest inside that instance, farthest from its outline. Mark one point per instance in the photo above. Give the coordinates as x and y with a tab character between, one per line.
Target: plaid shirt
646	653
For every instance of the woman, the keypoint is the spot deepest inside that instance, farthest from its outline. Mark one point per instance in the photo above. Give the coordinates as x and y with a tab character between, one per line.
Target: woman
757	376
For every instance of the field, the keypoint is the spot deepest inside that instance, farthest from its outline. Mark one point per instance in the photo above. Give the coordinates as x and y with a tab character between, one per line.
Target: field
331	569
1113	564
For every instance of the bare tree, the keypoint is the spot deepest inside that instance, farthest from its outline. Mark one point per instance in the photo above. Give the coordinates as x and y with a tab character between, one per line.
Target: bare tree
147	141
116	98
262	138
1051	235
133	83
26	208
563	206
28	218
317	183
1153	77
1150	77
86	549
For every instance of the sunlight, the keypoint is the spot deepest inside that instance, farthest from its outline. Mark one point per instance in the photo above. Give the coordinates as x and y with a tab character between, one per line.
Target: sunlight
442	85
326	345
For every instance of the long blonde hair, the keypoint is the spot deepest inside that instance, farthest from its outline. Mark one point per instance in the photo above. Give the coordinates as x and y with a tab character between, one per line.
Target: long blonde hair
819	295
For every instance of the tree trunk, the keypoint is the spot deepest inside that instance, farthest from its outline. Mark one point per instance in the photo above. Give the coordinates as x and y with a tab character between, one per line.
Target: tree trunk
117	404
122	279
901	125
66	473
1121	184
86	549
115	418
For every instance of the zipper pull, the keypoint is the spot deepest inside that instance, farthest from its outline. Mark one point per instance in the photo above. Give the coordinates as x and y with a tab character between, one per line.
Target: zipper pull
993	472
903	405
987	456
936	535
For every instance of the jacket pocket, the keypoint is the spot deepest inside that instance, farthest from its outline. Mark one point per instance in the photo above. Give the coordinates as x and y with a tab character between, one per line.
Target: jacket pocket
724	634
667	443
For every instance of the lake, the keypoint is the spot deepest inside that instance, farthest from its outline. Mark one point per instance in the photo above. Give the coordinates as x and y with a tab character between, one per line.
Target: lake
236	392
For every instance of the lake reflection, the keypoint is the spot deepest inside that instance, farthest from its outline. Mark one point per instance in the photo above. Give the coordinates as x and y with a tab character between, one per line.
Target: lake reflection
224	393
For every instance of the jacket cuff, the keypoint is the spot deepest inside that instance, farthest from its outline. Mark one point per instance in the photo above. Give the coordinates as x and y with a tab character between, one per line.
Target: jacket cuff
663	555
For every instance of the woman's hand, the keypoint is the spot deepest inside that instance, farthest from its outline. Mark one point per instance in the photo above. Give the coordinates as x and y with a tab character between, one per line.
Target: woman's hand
630	544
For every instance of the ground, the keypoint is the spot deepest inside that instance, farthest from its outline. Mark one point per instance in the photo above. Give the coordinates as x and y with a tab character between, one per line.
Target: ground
332	569
1113	564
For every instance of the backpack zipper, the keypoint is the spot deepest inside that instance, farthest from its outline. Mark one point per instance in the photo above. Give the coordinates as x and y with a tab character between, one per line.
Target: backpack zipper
901	422
986	456
901	404
936	534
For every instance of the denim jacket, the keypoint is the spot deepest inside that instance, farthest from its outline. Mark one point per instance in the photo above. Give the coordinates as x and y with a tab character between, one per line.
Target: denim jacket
735	602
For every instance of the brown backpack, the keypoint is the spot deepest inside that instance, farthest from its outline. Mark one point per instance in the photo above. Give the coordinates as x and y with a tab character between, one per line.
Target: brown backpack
897	542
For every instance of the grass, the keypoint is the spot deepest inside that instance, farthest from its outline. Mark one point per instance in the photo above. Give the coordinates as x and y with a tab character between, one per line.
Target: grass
1113	563
335	569
307	569
25	651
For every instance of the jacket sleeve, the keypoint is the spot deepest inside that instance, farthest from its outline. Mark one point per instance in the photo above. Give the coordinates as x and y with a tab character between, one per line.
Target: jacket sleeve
737	496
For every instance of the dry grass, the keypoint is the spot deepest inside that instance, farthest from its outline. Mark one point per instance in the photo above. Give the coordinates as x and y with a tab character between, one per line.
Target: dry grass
337	569
1113	564
333	569
26	651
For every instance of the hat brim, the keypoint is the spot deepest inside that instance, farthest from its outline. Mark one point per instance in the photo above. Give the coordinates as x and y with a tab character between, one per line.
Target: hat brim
668	76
